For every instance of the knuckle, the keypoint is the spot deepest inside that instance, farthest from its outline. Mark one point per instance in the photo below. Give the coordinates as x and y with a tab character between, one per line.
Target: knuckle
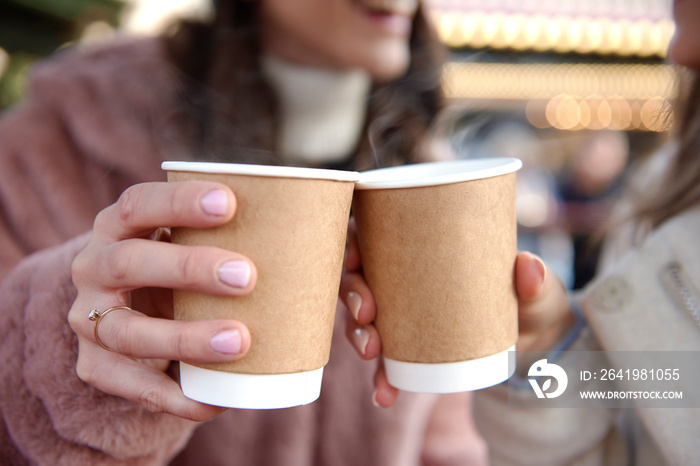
79	268
121	336
189	268
102	220
75	320
179	204
85	371
183	345
151	398
119	261
127	205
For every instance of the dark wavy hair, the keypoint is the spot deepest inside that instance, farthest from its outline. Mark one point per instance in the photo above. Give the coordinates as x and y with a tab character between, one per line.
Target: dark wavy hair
230	110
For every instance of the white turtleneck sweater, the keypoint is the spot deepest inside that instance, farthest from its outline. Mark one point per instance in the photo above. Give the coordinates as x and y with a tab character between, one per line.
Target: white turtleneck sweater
322	111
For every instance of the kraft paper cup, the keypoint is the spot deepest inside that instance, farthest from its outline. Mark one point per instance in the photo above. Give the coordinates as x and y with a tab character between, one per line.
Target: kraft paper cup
292	223
438	246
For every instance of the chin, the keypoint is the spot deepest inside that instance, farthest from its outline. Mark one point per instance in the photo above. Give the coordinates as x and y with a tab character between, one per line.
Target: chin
384	67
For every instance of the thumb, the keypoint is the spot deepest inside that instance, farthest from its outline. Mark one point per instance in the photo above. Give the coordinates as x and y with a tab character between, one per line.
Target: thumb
543	305
530	277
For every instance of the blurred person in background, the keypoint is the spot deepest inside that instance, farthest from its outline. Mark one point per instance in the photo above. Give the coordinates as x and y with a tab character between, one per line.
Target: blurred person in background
645	298
85	210
587	188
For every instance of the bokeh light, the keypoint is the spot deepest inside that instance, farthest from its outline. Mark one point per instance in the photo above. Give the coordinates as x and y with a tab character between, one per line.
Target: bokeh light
571	96
561	33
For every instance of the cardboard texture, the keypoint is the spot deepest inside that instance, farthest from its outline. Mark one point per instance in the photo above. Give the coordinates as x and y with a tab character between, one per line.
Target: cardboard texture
440	261
294	230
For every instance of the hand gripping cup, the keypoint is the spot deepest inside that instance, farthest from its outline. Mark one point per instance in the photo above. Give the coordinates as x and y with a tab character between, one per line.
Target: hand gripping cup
438	247
292	223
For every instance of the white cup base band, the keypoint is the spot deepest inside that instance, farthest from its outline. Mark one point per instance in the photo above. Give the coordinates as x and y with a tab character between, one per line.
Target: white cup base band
250	391
451	377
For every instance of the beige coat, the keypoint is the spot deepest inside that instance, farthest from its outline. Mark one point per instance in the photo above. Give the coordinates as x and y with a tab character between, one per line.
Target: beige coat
631	307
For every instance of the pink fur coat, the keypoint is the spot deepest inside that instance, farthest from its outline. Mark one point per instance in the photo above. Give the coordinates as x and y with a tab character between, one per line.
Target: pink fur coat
84	134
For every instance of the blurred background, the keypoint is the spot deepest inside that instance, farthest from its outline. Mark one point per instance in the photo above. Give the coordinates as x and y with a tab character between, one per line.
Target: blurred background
580	90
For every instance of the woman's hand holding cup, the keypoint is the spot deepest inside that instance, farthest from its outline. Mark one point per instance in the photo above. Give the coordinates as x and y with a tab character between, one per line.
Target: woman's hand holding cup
543	311
544	314
123	265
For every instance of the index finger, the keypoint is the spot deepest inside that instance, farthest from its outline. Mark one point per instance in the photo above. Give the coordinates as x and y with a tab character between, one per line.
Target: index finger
144	207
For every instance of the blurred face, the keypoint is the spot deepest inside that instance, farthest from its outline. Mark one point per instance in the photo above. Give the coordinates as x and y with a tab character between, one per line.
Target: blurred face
685	46
343	34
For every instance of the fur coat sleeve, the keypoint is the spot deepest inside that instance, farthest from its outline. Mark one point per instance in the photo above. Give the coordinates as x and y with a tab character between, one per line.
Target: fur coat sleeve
65	153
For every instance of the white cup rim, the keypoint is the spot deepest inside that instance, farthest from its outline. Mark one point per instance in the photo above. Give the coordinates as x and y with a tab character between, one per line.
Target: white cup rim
437	173
275	171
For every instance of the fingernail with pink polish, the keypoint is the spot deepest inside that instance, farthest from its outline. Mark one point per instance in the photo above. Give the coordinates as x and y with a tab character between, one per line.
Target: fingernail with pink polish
361	337
215	202
226	342
354	301
235	273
